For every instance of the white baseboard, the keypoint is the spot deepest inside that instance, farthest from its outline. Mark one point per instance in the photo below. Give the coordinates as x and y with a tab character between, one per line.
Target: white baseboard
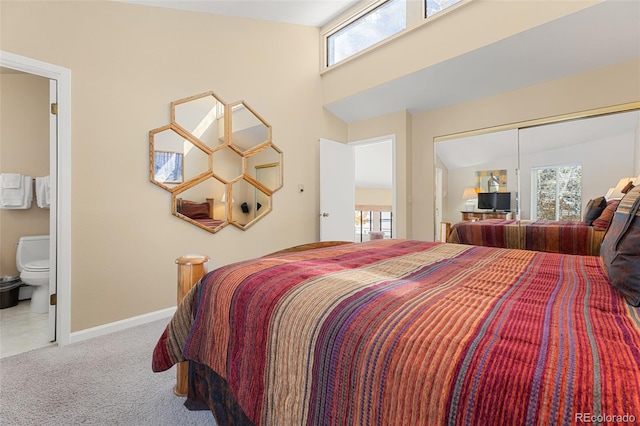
101	330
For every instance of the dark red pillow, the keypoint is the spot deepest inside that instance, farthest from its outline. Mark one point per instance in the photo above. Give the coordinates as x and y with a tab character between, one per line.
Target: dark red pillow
194	210
602	222
594	209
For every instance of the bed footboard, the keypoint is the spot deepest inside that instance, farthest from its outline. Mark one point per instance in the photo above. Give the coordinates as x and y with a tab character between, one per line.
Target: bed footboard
445	231
190	269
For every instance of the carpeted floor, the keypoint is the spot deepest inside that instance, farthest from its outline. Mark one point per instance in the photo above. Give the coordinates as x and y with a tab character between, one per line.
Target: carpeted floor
102	381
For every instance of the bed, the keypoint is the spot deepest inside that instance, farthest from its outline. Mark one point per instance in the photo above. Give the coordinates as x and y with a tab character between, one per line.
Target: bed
201	213
577	237
549	236
394	332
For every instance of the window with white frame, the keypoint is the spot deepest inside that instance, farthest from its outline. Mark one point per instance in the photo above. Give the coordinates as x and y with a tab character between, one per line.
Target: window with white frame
434	6
380	23
556	192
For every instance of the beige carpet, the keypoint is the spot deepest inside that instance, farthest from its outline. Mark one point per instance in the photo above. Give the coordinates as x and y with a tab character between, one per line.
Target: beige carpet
102	381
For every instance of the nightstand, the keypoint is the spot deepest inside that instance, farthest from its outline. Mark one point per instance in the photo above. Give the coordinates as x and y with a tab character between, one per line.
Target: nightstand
477	215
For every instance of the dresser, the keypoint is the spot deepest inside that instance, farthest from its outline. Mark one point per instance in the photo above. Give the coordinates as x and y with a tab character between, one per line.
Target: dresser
480	215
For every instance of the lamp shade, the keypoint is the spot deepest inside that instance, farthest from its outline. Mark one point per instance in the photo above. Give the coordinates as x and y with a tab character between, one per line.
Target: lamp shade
469	193
224	198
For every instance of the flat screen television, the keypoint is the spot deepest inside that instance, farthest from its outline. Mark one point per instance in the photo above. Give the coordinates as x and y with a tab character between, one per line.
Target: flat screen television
496	201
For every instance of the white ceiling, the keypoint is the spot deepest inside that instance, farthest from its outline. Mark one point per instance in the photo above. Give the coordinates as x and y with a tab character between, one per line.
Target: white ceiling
315	13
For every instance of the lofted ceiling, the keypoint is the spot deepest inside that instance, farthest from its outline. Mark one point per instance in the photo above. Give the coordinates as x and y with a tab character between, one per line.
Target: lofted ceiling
604	34
315	13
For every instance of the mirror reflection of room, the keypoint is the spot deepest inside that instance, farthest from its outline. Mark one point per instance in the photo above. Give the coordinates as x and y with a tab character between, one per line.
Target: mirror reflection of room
197	206
552	170
175	159
201	116
248	205
473	167
269	176
266	167
248	129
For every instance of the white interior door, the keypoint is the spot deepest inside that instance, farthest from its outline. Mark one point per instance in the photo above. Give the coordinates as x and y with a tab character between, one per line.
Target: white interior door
53	149
337	191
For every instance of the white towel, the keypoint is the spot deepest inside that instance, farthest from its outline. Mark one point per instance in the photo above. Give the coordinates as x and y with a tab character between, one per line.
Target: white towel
17	198
43	191
11	180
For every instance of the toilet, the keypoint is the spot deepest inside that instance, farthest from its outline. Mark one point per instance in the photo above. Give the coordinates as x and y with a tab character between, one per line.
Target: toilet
32	261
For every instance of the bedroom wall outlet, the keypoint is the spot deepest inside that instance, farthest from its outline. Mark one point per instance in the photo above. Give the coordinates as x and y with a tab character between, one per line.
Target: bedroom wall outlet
300	188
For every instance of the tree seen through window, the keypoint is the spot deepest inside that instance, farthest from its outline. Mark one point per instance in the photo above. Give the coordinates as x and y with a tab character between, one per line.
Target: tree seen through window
557	193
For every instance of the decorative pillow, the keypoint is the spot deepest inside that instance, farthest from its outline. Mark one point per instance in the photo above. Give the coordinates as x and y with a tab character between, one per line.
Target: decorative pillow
594	209
602	222
194	210
620	249
628	187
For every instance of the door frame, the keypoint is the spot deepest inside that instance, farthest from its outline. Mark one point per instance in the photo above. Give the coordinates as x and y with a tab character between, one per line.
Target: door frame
60	171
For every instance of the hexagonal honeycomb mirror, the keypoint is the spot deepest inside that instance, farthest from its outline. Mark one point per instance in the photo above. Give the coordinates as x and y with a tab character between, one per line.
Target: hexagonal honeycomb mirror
218	162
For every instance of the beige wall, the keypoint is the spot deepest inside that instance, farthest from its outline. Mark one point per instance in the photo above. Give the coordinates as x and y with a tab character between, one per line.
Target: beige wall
24	149
127	64
373	197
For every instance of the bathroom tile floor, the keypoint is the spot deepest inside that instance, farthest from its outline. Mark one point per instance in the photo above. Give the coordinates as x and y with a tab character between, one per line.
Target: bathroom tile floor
21	330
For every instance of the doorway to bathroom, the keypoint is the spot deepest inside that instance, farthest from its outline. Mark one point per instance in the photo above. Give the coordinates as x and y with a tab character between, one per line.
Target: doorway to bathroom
24	142
58	80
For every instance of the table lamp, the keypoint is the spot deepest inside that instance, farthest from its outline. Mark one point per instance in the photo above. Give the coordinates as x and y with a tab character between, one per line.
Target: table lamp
470	196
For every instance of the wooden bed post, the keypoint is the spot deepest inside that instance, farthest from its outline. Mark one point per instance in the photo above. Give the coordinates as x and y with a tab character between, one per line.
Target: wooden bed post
445	231
190	269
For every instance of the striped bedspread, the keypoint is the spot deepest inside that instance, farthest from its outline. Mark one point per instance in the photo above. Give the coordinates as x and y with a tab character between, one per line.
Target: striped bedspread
548	236
398	332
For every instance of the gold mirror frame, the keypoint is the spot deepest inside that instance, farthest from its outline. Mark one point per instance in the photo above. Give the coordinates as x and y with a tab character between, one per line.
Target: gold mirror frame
208	157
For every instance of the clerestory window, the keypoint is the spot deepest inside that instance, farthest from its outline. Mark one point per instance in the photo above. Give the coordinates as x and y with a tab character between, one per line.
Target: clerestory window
380	23
435	6
375	24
